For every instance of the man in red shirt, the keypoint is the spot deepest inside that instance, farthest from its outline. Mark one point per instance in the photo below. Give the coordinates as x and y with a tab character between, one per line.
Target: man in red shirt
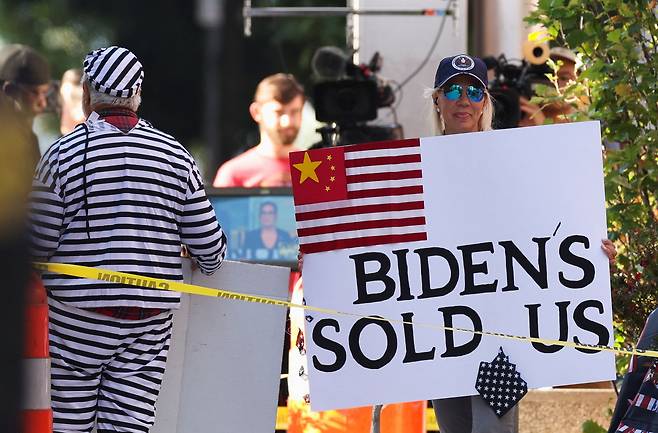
277	108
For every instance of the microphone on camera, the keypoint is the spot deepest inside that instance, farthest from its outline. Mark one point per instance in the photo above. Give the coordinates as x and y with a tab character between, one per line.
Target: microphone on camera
329	63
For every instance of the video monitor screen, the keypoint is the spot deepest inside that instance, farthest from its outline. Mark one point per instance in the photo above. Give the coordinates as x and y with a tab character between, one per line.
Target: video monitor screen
259	224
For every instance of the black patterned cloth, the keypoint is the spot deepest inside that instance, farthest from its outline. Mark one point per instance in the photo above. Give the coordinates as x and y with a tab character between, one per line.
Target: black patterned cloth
642	413
499	384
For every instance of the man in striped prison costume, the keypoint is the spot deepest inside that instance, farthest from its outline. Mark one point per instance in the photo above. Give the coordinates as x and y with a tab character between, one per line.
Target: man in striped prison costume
118	194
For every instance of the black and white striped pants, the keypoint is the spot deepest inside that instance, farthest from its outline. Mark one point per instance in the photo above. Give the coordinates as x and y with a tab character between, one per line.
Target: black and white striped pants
105	371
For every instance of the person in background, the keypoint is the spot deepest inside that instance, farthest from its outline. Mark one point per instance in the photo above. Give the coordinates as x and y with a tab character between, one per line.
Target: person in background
70	96
277	109
16	169
461	104
630	414
566	74
116	193
264	243
25	81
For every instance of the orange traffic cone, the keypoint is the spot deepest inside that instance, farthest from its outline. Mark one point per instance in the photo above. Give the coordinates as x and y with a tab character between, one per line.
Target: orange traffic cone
37	414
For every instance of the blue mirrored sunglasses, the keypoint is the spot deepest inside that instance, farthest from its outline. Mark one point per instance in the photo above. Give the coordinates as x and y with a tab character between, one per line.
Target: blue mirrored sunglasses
454	91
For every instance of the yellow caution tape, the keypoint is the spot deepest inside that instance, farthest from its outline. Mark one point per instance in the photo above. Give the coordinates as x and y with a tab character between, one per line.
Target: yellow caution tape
157	283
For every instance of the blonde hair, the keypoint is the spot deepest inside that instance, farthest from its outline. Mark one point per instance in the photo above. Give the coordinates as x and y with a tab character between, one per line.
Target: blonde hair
436	120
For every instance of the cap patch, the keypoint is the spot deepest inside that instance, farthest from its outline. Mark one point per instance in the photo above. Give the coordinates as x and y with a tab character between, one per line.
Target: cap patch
463	63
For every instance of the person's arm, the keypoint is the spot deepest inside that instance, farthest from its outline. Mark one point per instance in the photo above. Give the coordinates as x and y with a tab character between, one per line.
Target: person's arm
199	230
46	214
224	177
532	114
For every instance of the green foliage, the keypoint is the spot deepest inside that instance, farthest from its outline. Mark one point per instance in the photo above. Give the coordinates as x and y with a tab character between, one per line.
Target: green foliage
621	361
60	29
618	43
590	426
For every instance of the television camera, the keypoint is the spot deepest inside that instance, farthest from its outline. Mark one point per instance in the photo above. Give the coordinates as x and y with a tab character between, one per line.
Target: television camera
348	95
513	79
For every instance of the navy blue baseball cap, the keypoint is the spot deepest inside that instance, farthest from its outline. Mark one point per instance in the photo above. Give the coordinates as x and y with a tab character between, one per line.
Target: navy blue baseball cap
461	65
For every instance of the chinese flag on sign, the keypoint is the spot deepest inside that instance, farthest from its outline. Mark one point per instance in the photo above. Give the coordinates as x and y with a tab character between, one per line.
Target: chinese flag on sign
318	175
359	195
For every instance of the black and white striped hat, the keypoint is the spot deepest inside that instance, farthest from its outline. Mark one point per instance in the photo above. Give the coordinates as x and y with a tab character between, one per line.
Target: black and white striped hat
114	70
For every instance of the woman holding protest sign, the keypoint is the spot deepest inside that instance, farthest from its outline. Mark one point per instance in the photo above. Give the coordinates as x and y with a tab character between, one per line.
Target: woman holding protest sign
462	104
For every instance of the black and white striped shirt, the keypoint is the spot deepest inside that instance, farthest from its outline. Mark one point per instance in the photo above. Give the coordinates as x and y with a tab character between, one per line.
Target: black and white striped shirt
121	201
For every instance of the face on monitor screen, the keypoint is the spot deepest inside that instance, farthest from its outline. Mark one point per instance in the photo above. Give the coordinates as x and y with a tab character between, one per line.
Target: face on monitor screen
260	227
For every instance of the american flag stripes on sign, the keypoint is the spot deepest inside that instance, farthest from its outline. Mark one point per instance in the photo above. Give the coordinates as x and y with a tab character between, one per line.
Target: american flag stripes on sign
359	195
640	415
628	429
646	402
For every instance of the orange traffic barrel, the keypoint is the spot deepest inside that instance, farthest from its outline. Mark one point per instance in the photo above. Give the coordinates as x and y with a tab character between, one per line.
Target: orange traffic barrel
37	414
395	418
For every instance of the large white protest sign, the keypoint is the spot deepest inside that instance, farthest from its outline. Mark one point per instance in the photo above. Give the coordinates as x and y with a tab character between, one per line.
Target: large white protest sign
497	231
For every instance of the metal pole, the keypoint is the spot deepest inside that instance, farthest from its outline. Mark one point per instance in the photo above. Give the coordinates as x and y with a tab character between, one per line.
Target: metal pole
376	418
210	15
212	98
249	12
321	11
246	14
351	30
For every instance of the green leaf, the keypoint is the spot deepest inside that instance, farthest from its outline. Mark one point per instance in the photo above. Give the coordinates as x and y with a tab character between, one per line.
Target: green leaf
570	22
625	10
621	182
590	426
576	37
614	36
553	31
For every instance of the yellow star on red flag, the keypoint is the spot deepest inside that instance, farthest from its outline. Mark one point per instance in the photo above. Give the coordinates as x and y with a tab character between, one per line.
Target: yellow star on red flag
329	180
307	168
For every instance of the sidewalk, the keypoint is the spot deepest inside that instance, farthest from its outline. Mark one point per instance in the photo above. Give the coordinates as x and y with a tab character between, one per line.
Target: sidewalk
565	410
